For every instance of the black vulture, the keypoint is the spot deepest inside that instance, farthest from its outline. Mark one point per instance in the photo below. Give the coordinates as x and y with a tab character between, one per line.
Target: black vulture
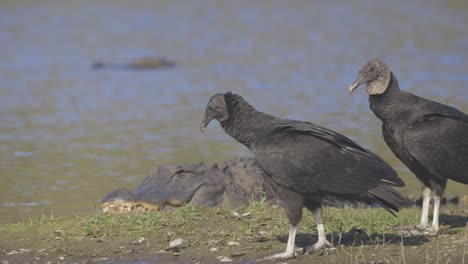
430	138
306	163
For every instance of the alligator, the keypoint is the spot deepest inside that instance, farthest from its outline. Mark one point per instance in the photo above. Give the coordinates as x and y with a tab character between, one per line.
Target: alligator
234	183
145	63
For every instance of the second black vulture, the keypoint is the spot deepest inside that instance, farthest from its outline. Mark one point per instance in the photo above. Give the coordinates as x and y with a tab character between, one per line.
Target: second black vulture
430	138
306	163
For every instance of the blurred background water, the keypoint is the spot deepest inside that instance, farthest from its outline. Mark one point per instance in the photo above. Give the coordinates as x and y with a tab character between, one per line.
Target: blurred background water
70	134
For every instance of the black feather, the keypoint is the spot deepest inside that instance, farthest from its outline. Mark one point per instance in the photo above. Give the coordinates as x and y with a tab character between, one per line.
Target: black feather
309	163
430	138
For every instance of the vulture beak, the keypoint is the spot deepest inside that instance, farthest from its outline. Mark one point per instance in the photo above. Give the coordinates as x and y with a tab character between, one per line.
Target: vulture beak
360	80
206	120
203	126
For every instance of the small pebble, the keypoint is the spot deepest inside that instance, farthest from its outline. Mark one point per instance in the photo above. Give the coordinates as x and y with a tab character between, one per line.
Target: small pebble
224	259
139	241
19	251
232	243
176	242
213	249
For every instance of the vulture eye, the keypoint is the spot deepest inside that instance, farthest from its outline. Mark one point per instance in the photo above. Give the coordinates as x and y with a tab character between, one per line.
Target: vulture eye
371	69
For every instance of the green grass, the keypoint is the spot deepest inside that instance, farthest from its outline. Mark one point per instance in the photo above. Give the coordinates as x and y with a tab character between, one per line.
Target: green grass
262	230
187	219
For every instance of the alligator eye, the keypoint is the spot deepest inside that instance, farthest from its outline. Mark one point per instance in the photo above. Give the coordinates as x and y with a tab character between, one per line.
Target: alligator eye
177	173
181	171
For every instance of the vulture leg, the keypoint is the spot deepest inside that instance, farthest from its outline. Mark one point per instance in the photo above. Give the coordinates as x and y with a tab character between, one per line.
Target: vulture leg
425	207
435	219
293	210
289	253
322	238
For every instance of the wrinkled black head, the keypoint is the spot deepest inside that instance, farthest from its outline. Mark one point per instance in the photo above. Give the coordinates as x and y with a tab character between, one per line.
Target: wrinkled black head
215	109
376	74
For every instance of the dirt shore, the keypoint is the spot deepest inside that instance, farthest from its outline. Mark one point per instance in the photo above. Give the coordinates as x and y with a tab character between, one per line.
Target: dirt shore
218	235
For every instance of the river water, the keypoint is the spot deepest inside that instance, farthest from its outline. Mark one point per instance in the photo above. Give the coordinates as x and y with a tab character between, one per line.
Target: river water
70	134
